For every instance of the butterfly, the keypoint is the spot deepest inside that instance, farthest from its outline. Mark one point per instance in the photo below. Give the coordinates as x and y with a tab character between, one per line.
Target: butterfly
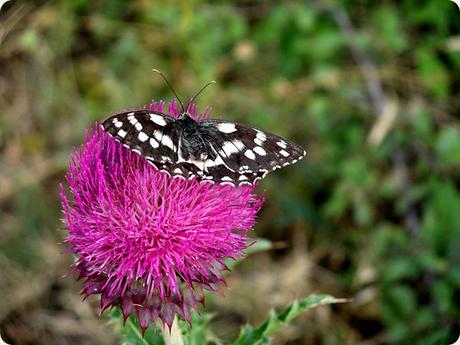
219	151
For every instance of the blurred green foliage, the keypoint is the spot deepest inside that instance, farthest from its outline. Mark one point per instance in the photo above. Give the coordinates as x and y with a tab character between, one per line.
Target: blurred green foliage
385	203
198	332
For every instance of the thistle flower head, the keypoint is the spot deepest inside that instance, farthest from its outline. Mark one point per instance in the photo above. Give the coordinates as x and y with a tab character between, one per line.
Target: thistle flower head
143	240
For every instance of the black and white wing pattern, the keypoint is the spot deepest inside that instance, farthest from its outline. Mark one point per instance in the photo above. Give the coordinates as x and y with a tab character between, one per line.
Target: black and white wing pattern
217	151
153	135
246	149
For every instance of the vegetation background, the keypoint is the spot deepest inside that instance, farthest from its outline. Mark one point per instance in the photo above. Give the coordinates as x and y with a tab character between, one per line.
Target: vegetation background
370	88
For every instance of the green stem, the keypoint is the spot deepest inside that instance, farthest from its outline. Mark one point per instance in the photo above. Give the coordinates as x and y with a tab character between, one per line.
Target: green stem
136	331
173	337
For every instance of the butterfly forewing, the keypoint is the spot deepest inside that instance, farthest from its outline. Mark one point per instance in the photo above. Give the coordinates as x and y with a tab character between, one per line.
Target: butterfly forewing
247	149
153	135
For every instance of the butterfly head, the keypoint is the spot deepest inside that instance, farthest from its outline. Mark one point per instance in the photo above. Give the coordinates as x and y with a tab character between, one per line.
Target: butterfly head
184	115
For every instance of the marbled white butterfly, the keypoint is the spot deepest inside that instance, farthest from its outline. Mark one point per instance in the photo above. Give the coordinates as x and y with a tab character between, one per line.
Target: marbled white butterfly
219	151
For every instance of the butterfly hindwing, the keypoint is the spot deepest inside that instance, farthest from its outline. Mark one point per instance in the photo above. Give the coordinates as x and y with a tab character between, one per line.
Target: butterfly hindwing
221	175
216	175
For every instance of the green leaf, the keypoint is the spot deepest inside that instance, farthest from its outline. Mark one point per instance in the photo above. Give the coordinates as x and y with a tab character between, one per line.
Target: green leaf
261	335
130	332
403	299
448	146
432	72
260	245
441	225
402	268
444	294
200	332
389	25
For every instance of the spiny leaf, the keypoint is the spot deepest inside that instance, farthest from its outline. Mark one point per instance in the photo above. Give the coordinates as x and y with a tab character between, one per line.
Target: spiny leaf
261	335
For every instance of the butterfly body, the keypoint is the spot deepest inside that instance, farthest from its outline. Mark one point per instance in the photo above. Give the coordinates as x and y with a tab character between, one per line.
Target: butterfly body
194	139
218	151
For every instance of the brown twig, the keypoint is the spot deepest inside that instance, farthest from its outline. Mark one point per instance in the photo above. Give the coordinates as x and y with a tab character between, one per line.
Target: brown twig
370	71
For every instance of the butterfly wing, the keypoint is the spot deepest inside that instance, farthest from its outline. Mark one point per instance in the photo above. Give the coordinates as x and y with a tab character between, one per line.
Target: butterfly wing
215	174
153	135
241	154
245	149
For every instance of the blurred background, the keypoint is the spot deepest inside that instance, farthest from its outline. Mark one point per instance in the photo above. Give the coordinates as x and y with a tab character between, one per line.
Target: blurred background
370	88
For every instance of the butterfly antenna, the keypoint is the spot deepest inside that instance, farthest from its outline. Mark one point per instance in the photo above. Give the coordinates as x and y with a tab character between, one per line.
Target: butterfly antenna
201	90
167	82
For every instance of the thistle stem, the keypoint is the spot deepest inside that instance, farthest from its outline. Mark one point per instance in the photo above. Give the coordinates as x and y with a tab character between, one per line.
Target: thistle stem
173	337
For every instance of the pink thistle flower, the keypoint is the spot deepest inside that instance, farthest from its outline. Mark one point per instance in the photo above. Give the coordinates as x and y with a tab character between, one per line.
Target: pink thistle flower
147	242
